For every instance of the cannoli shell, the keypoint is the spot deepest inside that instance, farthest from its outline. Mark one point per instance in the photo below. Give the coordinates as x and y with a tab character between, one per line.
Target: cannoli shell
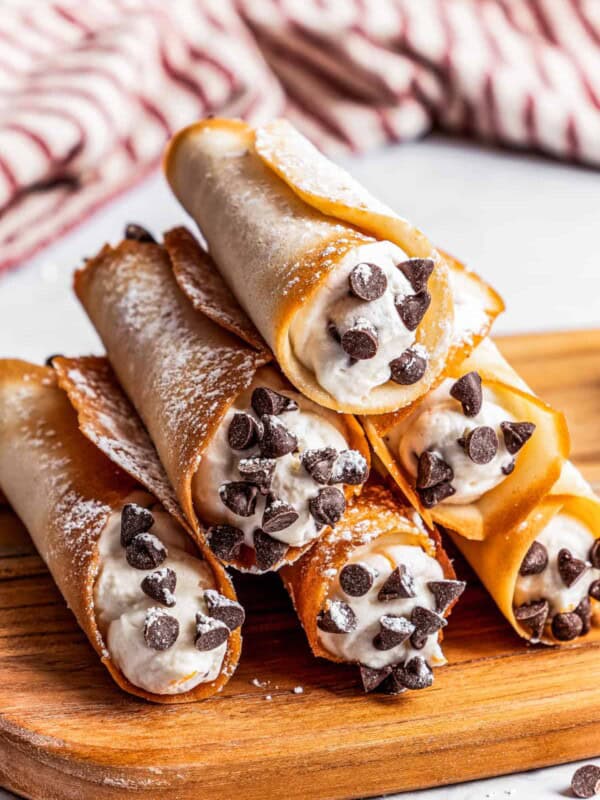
374	513
179	369
65	491
497	560
245	187
538	465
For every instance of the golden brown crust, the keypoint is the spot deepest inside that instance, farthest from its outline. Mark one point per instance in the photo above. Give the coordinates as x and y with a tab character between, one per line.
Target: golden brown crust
374	513
199	279
65	490
537	469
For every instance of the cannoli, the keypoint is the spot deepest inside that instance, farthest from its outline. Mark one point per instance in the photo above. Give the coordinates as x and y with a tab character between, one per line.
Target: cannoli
376	591
264	469
544	574
478	452
159	610
353	300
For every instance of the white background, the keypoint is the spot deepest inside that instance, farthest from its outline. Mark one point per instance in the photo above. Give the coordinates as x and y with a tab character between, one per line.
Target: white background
530	226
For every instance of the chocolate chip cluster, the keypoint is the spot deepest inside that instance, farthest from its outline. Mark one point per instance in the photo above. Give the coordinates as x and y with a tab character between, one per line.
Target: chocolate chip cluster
266	432
145	551
367	282
535	615
435	476
338	617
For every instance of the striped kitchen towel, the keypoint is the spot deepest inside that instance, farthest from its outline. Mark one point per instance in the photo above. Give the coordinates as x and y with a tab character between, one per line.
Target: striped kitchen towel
90	90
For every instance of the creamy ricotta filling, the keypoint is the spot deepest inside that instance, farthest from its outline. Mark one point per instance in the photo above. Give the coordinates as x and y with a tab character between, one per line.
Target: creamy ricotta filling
437	425
122	608
336	308
314	428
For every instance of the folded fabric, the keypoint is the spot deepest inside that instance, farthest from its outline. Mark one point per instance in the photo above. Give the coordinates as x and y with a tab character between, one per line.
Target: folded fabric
376	592
155	604
90	92
265	470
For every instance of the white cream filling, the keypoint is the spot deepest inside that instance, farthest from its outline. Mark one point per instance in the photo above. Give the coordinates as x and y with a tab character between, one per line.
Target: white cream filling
436	424
317	349
384	557
121	608
563	531
314	427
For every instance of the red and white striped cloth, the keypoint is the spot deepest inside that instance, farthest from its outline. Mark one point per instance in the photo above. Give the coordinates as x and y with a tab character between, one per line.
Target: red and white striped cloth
91	89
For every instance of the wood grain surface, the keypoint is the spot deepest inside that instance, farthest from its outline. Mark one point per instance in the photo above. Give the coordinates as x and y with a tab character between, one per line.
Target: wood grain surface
500	706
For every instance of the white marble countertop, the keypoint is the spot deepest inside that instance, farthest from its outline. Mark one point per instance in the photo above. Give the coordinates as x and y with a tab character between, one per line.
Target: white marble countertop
528	225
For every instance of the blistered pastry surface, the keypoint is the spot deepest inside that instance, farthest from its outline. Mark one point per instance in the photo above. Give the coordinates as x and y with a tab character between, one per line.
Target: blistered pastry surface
179	369
199	279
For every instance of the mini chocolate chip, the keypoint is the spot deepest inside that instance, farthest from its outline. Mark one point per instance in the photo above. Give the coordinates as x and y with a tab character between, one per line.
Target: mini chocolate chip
357	579
160	629
225	541
319	463
586	781
566	627
467	390
277	440
412	308
426	622
372	678
391	685
239	497
399	584
138	233
535	561
569	567
393	631
594	590
480	444
50	359
267	401
258	471
415	674
224	609
445	593
408	368
417	272
360	341
134	519
584	612
278	515
145	551
533	615
337	617
267	550
432	470
434	495
595	554
509	468
350	467
328	506
210	632
244	431
516	434
160	586
368	282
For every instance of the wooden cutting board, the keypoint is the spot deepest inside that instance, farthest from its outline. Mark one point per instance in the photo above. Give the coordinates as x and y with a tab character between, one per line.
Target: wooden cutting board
500	706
